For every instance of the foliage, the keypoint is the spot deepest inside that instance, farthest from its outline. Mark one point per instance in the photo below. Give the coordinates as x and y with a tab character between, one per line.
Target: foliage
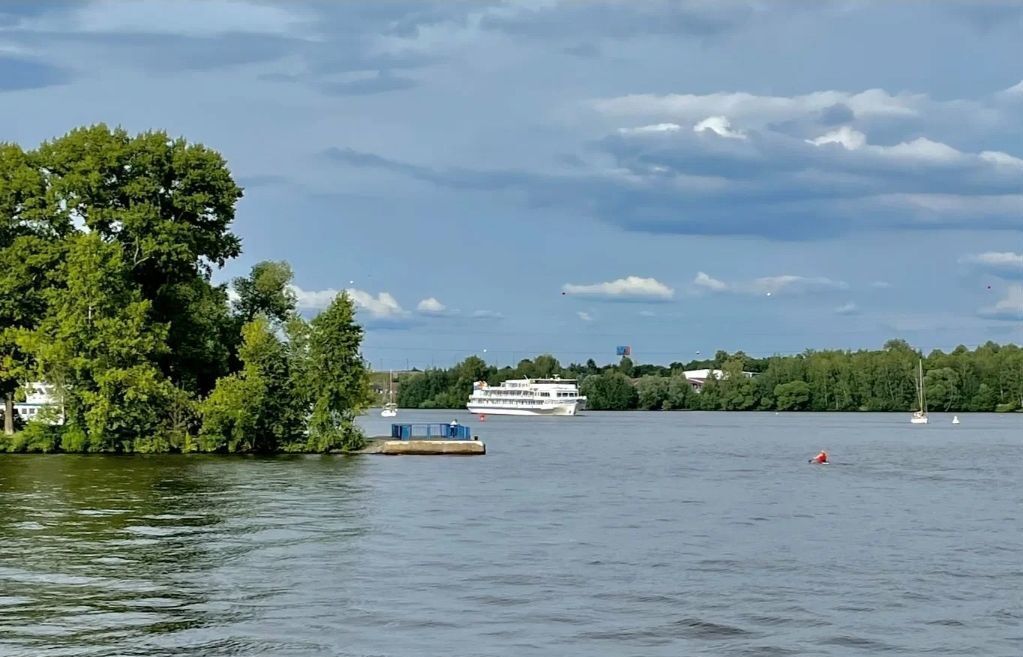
338	382
108	242
989	377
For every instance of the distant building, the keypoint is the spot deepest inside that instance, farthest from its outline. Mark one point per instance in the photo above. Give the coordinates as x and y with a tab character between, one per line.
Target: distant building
697	378
39	398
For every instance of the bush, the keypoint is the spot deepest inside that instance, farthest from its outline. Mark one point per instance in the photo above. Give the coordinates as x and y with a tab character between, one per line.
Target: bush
35	437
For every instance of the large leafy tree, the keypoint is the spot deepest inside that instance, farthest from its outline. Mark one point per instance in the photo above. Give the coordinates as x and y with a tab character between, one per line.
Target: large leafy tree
168	204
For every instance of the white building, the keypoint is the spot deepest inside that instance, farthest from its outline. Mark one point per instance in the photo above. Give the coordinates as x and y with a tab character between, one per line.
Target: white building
40	397
697	378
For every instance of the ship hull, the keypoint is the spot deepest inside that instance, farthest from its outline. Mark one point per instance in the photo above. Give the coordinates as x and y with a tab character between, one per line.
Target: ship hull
496	409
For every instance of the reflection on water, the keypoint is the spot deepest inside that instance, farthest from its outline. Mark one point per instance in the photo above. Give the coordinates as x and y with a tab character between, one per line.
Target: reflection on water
162	554
607	534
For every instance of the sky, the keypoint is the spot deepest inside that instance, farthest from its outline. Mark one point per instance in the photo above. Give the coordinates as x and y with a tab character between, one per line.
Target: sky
512	178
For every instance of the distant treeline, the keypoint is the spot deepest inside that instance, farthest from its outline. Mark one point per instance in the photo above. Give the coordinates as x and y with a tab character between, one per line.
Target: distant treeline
989	378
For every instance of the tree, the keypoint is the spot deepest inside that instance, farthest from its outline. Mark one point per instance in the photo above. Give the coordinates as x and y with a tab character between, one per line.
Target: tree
680	394
98	338
168	204
338	381
611	391
792	396
942	388
27	256
652	392
266	291
258	409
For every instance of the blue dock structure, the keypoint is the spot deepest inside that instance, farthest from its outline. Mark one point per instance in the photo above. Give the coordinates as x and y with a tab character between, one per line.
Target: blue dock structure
431	431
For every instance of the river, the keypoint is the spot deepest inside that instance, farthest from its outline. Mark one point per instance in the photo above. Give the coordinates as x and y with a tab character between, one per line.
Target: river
608	534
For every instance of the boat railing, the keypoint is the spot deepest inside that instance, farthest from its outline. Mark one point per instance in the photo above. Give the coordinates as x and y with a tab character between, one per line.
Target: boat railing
431	431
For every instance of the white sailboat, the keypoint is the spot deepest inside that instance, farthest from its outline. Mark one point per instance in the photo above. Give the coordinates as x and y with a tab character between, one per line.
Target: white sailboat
390	408
920	416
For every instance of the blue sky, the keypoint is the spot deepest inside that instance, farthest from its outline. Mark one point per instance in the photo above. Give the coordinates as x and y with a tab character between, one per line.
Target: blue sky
566	177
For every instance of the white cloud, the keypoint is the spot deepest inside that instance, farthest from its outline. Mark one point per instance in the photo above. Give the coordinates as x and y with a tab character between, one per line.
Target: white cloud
431	306
486	314
1010	308
1002	263
757	110
769	285
704	281
846	136
651	129
380	308
999	158
719	125
792	284
630	287
881	285
921	149
847	309
584	316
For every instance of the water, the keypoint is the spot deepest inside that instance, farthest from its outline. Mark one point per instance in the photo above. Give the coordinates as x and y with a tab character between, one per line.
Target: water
609	534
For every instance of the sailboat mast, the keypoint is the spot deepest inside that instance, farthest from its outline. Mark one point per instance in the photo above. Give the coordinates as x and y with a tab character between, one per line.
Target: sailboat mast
923	400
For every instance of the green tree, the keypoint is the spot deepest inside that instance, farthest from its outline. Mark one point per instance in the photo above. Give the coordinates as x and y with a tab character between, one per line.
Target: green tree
338	380
652	392
28	234
258	409
680	394
168	204
611	391
97	339
267	291
792	396
942	388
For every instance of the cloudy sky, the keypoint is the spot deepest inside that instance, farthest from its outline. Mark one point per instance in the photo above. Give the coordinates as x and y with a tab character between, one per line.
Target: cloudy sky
566	177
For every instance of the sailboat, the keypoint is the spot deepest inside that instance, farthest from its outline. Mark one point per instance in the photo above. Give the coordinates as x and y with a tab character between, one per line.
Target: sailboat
390	408
920	416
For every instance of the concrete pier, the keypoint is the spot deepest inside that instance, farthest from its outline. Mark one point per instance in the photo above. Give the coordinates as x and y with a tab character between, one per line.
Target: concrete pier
425	447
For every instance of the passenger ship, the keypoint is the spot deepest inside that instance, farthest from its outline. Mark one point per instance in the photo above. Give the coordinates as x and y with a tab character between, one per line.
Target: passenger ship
555	396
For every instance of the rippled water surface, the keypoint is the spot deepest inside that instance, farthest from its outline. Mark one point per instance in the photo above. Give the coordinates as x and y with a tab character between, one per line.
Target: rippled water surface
607	534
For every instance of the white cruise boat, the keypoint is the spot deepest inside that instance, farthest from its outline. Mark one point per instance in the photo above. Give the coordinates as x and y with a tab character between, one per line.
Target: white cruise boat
527	397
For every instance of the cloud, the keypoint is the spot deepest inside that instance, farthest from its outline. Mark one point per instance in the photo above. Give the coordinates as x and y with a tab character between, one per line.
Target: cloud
628	288
431	306
1009	308
486	314
19	74
847	309
706	282
720	126
1005	264
769	285
881	285
791	180
585	316
379	311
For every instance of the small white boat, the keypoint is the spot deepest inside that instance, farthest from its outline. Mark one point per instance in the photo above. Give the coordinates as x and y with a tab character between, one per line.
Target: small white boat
920	416
955	419
390	408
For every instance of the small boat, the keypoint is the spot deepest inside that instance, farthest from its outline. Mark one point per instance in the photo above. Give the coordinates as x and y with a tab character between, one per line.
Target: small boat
955	419
390	408
920	416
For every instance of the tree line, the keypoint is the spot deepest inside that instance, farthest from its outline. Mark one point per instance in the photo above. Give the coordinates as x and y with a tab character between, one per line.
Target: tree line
108	243
988	378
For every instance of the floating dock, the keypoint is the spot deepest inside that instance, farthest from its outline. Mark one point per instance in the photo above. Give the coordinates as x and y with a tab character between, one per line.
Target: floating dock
427	439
